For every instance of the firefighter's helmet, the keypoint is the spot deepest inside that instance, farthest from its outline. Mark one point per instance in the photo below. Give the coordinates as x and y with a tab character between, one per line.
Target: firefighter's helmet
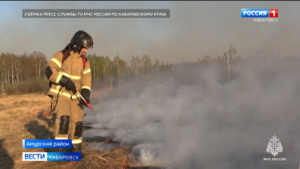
81	39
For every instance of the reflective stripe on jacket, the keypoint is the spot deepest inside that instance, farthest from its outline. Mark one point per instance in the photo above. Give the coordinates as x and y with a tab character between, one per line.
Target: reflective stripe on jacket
72	67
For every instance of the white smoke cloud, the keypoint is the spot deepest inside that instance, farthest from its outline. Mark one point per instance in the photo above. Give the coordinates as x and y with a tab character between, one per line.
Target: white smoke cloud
194	120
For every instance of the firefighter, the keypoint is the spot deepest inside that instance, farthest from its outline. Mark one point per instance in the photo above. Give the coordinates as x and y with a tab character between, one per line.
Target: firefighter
68	72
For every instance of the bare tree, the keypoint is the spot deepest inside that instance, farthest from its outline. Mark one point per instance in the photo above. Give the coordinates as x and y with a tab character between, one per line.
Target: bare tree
146	64
12	69
4	59
156	66
139	65
266	52
116	61
39	60
229	56
109	71
134	65
206	60
162	67
17	69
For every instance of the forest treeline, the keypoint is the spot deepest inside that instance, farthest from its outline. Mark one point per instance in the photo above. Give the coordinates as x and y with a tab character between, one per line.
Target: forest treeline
25	73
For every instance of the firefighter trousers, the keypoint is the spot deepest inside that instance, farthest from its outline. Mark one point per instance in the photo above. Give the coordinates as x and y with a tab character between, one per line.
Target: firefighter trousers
68	120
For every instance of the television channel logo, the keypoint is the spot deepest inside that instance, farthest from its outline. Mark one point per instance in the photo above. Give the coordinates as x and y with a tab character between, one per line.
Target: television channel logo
273	13
257	13
34	156
51	156
260	15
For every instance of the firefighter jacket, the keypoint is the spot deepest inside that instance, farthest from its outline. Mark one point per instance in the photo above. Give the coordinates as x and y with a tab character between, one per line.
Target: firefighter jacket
73	68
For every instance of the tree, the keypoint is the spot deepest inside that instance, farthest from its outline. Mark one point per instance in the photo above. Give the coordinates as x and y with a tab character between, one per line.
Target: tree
206	60
116	62
267	52
147	65
4	60
229	56
17	69
156	66
162	66
109	70
139	65
134	65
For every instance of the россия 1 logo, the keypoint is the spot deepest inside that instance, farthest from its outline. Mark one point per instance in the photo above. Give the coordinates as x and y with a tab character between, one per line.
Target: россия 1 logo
260	15
257	13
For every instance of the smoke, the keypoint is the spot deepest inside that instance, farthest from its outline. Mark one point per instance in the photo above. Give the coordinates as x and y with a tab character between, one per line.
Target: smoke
193	119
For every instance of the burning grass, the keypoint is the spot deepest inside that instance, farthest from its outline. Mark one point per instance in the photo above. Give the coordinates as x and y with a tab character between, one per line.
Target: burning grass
110	159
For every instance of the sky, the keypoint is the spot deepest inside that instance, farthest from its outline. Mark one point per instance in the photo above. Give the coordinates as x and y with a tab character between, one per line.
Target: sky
194	29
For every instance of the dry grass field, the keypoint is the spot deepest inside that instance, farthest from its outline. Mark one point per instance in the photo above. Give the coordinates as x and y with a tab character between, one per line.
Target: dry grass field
28	117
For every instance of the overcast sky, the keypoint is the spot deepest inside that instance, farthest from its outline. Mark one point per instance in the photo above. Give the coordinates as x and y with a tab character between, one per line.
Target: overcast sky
194	29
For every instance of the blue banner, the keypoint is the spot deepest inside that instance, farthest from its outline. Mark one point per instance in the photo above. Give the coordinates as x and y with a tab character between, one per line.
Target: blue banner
256	13
51	156
64	156
44	143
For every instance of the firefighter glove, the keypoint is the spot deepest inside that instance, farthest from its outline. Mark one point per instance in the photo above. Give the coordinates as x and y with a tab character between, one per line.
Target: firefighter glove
85	93
65	81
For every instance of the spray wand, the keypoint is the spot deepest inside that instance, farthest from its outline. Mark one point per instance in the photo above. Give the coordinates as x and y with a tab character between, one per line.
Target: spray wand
85	101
